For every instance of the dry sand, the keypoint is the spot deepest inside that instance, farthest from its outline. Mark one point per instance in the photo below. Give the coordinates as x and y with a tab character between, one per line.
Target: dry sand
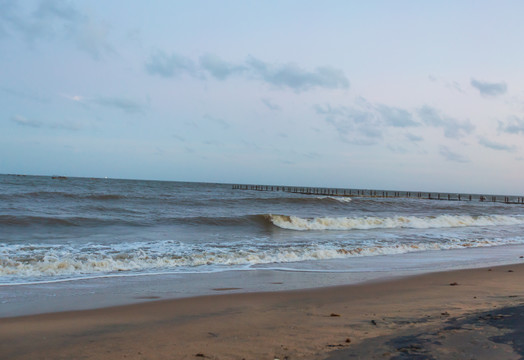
460	314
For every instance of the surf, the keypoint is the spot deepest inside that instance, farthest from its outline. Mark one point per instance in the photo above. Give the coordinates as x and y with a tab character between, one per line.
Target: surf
395	222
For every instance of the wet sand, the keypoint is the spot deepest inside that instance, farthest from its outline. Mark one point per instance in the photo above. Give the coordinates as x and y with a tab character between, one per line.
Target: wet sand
459	314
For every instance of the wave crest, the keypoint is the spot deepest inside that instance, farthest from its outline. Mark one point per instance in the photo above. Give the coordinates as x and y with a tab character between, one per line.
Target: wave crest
373	222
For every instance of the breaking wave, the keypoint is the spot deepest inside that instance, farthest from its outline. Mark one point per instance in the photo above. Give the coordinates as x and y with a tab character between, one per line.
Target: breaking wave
30	263
342	199
372	222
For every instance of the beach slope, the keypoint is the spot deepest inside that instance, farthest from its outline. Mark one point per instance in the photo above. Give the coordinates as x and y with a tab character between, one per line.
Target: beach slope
439	315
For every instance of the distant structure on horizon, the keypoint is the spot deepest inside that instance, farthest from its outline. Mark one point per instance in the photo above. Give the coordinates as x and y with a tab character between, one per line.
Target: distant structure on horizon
384	193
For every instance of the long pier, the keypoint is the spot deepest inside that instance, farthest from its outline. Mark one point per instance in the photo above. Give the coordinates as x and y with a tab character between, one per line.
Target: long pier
383	193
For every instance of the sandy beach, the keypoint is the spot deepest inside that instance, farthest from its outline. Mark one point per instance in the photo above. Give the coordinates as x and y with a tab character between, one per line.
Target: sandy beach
459	314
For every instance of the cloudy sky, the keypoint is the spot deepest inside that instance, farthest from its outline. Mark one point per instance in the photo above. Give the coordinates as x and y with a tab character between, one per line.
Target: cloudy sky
408	95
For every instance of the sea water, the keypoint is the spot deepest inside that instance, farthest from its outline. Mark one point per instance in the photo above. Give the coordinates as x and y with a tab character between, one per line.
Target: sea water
70	230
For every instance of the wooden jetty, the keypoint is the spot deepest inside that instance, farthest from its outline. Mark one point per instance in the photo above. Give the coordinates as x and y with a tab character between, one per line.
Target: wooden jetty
383	193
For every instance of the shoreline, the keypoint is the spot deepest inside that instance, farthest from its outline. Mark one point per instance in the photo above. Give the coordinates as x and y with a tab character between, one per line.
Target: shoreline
101	292
298	324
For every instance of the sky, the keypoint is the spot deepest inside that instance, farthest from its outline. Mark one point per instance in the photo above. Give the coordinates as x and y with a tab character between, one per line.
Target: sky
401	95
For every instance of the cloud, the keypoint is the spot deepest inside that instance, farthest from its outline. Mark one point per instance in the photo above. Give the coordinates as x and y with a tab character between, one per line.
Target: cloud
218	121
290	75
452	128
127	105
513	125
219	68
213	142
179	138
77	98
489	89
55	19
452	156
329	110
26	94
91	37
413	138
23	121
396	117
353	125
397	149
312	155
449	84
343	127
270	105
355	115
56	9
11	22
496	146
455	85
365	123
370	131
169	66
6	9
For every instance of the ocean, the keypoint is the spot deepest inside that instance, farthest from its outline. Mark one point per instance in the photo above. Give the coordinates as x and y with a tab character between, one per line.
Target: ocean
70	231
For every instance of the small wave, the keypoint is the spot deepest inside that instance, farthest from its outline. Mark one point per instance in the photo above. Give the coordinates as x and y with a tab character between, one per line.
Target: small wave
64	195
12	220
297	199
36	220
217	220
342	199
371	222
105	197
64	221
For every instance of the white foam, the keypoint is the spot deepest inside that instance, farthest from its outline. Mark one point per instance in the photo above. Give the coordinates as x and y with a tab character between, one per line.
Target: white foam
51	262
342	199
372	222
